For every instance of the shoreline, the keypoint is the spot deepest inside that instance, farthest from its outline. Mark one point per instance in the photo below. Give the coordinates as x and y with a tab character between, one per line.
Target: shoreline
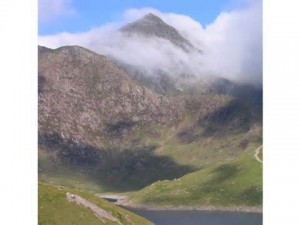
244	209
122	201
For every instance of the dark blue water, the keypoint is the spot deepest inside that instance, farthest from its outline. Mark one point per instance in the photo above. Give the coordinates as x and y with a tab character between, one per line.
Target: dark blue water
188	217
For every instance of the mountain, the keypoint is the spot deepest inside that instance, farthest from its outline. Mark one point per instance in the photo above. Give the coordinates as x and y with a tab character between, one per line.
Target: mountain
167	80
153	26
84	96
93	119
106	126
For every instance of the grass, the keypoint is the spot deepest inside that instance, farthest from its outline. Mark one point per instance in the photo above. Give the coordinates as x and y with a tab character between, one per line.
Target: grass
204	152
50	172
54	209
129	170
235	183
187	144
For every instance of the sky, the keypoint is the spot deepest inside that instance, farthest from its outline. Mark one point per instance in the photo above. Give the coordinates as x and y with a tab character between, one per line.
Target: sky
79	15
228	32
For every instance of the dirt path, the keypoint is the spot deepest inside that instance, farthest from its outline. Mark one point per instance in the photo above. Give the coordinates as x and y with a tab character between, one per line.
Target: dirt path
256	154
98	212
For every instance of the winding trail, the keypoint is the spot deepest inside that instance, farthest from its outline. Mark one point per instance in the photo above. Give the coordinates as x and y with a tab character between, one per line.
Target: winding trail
256	154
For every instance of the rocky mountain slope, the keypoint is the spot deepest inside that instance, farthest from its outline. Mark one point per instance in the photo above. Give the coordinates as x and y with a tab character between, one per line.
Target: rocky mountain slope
84	96
91	115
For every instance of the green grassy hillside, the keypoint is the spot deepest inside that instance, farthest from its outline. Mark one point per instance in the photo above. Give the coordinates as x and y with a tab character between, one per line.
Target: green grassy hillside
54	209
49	172
235	183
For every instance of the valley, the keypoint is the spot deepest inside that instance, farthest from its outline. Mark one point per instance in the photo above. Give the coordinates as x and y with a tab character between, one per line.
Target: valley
107	128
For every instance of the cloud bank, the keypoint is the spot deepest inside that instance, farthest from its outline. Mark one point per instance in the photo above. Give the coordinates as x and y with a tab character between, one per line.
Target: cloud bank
231	45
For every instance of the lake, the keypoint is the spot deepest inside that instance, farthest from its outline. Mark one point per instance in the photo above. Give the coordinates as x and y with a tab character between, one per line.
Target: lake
194	217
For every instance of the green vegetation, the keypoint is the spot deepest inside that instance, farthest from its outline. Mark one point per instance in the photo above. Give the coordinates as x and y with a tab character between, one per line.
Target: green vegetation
122	171
235	183
50	172
206	151
54	209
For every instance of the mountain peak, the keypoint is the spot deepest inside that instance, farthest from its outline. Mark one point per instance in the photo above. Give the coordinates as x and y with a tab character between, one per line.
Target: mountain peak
152	17
150	21
153	26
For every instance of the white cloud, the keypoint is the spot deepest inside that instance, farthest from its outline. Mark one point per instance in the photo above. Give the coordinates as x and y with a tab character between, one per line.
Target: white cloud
232	44
235	45
52	9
